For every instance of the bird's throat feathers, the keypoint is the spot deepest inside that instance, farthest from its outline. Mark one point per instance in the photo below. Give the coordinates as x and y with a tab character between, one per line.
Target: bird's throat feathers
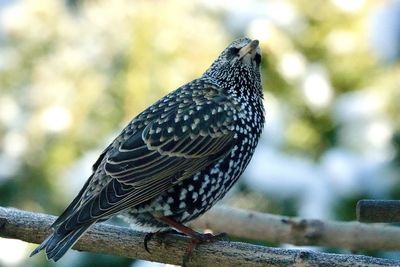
241	80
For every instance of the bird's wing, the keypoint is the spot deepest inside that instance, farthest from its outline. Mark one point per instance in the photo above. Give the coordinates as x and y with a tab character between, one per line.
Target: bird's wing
175	138
78	199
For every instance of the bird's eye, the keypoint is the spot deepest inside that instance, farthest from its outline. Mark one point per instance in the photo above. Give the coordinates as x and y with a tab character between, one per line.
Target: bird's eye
257	59
233	51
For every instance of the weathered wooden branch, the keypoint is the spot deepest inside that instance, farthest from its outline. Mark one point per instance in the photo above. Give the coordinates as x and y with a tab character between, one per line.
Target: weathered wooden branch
121	241
297	231
386	211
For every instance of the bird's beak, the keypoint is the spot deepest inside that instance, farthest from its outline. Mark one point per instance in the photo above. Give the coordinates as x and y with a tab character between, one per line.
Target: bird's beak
248	49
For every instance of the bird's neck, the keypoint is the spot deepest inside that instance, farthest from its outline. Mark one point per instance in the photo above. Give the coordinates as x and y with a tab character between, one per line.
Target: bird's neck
249	95
247	89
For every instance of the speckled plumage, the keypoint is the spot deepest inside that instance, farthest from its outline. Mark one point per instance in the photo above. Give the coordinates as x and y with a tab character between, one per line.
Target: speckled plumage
176	158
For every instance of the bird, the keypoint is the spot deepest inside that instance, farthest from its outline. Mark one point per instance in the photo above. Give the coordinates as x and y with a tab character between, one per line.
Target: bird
177	158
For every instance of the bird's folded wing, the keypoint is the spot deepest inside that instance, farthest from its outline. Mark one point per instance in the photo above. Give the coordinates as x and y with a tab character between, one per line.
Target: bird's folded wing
173	145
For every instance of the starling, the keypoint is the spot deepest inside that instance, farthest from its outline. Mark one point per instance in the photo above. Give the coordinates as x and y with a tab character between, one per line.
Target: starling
177	158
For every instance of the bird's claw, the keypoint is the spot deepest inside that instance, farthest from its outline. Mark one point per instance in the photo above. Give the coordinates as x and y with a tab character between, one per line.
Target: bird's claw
147	238
208	238
197	240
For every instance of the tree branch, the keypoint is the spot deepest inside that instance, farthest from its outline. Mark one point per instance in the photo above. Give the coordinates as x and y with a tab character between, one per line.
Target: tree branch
121	241
297	231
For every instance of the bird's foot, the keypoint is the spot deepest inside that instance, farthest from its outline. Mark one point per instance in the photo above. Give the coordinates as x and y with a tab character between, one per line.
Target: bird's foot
208	238
161	235
198	238
195	237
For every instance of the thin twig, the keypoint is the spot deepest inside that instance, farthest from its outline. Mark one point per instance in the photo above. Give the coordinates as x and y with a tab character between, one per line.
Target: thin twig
121	241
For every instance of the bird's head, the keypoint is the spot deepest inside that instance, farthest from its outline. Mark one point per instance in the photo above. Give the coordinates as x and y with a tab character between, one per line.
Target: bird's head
239	61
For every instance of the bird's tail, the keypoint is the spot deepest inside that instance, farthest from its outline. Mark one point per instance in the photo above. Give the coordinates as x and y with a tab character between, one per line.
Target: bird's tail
58	243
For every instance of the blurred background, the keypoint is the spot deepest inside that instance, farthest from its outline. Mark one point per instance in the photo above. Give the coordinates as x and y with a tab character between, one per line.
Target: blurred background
74	72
